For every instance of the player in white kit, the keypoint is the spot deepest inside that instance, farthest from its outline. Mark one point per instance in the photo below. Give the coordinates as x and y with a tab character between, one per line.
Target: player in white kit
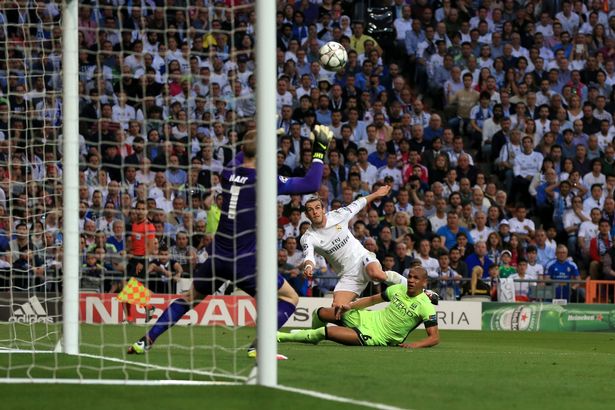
330	237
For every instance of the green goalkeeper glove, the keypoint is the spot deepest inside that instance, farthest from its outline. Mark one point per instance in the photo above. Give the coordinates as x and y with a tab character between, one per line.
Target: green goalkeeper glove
321	137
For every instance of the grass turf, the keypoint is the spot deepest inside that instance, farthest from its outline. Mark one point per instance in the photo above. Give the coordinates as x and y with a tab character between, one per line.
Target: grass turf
467	370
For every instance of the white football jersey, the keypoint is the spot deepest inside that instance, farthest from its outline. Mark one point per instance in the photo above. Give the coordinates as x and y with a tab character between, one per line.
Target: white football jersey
536	270
431	265
335	242
519	227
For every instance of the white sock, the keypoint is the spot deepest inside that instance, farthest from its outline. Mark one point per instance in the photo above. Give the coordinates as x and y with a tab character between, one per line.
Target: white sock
394	278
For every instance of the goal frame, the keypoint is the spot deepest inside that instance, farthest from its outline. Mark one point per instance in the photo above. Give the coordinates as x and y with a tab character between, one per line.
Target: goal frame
266	369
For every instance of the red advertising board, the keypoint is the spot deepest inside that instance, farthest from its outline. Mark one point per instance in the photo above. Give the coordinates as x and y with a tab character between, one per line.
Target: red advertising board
101	308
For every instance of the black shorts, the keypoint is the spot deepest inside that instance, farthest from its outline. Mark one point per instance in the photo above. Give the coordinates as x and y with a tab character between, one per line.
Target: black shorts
131	267
241	272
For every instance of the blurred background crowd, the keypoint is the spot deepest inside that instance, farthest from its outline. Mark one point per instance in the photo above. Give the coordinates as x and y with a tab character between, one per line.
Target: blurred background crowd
491	120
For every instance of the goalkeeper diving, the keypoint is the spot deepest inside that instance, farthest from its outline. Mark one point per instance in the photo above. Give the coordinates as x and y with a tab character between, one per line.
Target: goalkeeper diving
408	307
233	252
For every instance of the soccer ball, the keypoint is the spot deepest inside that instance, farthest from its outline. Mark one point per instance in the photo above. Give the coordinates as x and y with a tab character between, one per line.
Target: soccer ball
333	56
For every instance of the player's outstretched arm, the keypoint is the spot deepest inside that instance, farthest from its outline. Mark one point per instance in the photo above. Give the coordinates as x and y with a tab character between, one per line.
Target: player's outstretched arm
432	339
359	304
379	193
307	184
321	137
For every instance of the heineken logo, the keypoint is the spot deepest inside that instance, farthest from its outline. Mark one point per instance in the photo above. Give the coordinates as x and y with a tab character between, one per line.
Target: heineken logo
584	317
520	319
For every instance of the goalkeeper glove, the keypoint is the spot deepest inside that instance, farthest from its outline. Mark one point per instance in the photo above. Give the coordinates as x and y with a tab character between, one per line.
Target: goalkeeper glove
321	137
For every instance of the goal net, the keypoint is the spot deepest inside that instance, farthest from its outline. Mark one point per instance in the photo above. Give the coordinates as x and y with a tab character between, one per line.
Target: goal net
165	92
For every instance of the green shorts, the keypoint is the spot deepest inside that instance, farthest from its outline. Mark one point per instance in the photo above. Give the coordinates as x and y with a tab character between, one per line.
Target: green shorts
362	322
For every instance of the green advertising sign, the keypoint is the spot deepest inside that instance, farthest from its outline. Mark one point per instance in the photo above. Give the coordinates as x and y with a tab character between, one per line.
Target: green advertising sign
533	317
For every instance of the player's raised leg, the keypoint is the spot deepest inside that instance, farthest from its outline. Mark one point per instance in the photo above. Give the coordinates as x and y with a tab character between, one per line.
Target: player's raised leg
287	303
322	316
172	314
356	280
204	284
375	272
343	297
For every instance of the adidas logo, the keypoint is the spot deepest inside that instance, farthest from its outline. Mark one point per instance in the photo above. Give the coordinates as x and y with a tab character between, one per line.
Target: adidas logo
31	312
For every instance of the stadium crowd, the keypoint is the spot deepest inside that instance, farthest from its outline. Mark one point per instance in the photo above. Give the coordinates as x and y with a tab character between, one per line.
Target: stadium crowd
491	120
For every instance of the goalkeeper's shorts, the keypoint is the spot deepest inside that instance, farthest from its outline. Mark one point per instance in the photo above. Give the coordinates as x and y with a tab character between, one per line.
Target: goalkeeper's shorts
363	323
215	271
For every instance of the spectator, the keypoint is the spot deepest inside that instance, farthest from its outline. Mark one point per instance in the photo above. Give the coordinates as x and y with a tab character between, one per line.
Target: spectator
429	263
449	232
505	269
184	253
161	116
522	289
565	270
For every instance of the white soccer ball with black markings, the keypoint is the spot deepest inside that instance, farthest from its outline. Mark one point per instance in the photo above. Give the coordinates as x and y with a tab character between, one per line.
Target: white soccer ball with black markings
333	56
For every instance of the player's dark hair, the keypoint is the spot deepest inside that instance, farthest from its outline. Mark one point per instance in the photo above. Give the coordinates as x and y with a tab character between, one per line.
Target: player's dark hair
314	198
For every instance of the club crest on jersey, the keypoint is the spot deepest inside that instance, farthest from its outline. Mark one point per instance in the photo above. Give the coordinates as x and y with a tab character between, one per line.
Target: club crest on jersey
338	227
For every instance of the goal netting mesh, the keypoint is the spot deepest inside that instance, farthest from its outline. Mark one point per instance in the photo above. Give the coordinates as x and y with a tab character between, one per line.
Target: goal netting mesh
165	92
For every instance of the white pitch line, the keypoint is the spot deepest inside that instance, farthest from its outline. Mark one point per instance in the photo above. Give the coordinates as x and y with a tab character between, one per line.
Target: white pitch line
128	362
330	397
118	382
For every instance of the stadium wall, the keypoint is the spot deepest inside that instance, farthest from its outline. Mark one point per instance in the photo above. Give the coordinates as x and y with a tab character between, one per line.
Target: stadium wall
100	308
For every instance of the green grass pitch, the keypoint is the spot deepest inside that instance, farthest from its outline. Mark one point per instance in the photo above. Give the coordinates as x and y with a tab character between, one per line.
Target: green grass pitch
468	370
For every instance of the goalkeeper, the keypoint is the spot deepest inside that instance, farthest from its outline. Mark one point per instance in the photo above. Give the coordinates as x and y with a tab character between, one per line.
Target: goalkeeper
234	246
409	307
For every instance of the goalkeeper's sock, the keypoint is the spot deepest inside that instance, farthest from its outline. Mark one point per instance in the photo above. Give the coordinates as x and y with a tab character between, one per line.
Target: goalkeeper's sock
394	278
169	317
313	336
285	311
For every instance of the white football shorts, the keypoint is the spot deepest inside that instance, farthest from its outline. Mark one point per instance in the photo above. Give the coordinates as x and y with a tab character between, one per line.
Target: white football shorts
355	279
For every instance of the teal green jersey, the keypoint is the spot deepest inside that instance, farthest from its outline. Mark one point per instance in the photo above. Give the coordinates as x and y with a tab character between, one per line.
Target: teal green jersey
403	314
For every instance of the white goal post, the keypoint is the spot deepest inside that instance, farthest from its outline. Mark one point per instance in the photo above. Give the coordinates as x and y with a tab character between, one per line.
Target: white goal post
70	80
266	192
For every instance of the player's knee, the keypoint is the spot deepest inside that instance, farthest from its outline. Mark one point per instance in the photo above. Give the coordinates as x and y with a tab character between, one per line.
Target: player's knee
288	294
293	298
193	296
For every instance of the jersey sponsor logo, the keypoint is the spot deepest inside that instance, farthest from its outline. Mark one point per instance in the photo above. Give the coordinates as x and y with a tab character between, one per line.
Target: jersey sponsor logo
400	305
338	243
338	227
31	312
283	179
